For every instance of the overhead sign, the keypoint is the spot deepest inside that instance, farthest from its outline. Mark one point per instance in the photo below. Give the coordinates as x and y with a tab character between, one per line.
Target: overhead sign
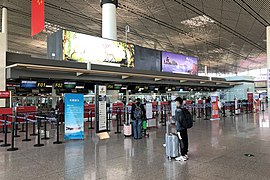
28	84
41	84
58	85
4	94
74	116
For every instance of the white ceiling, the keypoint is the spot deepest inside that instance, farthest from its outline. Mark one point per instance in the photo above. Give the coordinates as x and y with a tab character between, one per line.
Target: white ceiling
226	35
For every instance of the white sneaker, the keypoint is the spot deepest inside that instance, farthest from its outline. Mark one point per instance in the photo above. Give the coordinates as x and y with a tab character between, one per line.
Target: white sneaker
186	156
181	158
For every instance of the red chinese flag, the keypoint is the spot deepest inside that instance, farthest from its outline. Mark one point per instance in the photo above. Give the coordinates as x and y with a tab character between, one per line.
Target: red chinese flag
38	16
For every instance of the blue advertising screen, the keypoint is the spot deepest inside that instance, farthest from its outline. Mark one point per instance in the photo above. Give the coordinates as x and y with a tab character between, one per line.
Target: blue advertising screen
178	63
74	116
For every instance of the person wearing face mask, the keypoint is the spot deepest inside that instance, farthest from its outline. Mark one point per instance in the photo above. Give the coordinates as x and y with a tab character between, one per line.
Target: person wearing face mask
181	130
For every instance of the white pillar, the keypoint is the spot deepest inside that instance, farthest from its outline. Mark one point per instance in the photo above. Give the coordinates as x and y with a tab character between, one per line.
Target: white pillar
3	51
268	59
109	27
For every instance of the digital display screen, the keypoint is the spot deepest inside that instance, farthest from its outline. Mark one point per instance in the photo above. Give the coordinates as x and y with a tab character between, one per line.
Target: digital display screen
28	84
85	48
144	56
69	85
178	63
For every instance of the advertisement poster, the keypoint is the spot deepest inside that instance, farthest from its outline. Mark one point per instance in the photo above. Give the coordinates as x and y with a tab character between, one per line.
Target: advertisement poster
149	110
86	48
178	63
102	116
74	116
215	110
250	100
173	106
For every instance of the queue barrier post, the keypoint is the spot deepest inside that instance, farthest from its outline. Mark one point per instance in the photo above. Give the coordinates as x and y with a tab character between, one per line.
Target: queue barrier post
22	129
5	134
16	127
13	148
38	139
118	113
224	110
45	129
91	116
206	112
57	133
231	109
165	117
199	111
88	118
26	133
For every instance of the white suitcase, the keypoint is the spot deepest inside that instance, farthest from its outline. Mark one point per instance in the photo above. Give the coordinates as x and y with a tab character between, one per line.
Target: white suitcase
127	130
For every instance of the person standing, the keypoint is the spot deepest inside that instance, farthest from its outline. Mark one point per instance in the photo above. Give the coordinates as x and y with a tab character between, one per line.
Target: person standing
181	130
137	114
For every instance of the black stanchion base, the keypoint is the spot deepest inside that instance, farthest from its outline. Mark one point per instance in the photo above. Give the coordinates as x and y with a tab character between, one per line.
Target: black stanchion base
13	149
17	136
45	138
33	134
91	128
26	140
5	145
57	142
22	131
199	117
38	145
8	132
117	132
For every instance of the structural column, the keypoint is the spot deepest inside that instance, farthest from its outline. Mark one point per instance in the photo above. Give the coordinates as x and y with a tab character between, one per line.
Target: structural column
268	59
3	51
109	26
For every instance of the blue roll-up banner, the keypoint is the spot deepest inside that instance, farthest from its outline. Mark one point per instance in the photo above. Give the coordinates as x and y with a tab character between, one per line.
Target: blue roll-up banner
74	116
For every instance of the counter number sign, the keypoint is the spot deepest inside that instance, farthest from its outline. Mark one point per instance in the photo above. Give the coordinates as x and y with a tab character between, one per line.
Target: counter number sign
58	85
41	84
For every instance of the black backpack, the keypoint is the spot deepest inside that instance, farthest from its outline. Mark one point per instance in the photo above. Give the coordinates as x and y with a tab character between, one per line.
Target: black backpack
188	120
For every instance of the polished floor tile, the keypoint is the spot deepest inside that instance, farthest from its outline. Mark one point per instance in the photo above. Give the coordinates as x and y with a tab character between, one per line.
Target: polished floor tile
216	151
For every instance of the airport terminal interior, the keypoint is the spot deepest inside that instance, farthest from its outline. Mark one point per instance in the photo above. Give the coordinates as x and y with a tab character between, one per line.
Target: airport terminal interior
134	89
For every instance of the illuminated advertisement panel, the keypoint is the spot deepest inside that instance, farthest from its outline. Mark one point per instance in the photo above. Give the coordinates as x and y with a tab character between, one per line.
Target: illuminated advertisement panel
84	48
178	63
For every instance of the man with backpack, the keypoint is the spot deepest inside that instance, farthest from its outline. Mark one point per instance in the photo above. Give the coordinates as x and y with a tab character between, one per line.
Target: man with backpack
183	121
137	114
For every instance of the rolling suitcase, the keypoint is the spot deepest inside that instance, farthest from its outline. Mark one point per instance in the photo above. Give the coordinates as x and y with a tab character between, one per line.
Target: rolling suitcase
127	130
172	144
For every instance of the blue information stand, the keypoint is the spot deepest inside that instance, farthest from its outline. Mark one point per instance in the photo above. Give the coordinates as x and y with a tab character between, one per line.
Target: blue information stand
74	116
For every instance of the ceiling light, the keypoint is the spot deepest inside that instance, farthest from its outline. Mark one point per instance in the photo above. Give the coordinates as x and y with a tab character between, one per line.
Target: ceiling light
198	21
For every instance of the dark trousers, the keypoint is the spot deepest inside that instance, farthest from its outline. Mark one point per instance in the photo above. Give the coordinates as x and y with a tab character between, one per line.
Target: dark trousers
184	143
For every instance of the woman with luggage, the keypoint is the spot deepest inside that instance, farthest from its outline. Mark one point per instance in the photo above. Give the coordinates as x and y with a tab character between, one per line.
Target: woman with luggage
181	130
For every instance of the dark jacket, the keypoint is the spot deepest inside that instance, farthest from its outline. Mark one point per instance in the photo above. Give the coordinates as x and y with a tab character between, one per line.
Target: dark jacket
133	109
179	119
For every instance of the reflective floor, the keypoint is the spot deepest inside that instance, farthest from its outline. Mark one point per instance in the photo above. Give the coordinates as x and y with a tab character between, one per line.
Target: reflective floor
217	151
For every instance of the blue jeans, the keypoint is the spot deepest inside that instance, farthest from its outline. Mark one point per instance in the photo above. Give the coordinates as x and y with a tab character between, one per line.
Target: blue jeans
137	128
